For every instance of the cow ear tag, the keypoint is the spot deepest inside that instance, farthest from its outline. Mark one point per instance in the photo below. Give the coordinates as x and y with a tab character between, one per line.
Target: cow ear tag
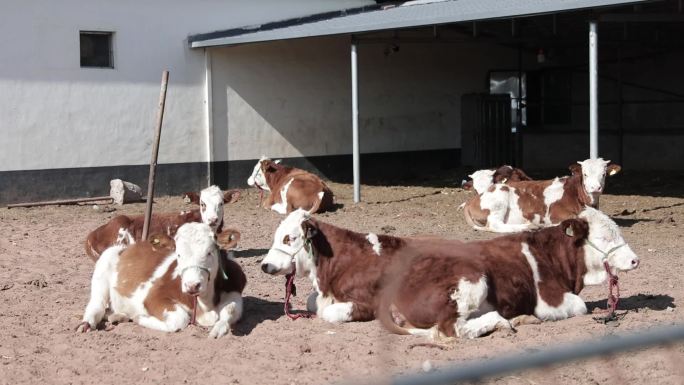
569	231
155	241
612	172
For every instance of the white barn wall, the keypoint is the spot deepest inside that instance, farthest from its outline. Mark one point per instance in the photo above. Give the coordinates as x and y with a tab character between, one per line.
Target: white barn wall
58	115
62	123
293	98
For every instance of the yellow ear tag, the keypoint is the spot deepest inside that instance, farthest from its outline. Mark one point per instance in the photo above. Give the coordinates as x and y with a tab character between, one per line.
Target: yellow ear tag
612	172
155	241
569	231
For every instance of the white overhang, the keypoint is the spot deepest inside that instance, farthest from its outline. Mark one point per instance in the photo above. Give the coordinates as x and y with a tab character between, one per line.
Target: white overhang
392	16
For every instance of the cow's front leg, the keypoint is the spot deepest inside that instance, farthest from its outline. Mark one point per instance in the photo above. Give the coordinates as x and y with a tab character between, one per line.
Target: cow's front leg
230	311
173	321
571	306
337	312
476	327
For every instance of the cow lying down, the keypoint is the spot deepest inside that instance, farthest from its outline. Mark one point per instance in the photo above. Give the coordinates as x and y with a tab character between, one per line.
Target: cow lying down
450	287
481	180
525	205
291	188
156	283
124	229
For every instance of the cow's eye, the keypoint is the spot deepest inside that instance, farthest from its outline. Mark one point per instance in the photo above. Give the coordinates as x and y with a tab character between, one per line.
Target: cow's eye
286	240
203	206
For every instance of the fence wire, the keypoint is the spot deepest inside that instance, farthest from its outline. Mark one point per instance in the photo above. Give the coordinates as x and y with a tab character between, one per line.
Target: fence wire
478	370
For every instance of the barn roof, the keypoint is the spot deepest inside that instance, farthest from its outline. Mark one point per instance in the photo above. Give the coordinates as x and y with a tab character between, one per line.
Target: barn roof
395	15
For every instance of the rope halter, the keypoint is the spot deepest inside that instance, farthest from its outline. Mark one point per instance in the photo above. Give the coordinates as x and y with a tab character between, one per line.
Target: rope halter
290	287
613	299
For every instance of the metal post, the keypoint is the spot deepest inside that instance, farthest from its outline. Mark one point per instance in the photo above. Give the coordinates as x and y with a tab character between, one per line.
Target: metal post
355	124
208	110
155	153
593	91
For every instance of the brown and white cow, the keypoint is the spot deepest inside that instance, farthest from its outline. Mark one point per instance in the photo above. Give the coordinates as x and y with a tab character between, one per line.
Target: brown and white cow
525	205
481	180
124	229
291	188
155	283
463	289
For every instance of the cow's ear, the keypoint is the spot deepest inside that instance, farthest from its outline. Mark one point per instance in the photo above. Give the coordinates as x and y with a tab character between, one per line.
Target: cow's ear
575	169
310	229
162	242
613	168
575	228
227	239
230	196
467	185
268	166
191	197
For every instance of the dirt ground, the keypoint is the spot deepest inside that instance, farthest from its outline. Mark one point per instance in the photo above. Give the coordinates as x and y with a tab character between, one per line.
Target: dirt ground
45	281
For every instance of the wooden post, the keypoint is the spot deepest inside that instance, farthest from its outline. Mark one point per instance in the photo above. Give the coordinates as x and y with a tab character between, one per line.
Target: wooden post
155	153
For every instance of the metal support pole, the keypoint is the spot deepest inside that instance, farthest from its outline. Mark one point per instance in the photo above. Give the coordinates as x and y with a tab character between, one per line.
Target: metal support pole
355	124
208	110
593	91
155	154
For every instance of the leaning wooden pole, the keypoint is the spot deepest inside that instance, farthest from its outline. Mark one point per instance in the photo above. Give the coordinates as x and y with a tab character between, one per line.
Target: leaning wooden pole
155	153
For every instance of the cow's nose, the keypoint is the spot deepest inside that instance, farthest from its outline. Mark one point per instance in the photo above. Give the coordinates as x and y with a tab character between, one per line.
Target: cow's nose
193	288
268	268
213	221
635	263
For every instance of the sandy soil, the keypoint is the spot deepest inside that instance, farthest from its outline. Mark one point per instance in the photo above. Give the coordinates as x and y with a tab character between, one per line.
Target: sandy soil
45	277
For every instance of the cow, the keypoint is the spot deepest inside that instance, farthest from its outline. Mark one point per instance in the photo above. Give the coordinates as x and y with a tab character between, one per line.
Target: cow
463	289
481	180
124	229
160	282
291	188
525	205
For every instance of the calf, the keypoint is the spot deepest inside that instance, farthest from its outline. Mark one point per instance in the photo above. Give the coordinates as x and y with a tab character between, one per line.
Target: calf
445	284
524	205
124	229
291	188
481	180
160	282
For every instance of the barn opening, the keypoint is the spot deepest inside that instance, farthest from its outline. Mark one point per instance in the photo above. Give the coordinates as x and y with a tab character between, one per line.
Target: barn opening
443	85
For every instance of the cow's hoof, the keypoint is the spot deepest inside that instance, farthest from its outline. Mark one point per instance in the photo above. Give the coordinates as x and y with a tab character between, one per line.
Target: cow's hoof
219	330
311	306
83	327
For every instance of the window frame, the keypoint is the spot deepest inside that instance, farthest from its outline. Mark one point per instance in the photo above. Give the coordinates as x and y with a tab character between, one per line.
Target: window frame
110	35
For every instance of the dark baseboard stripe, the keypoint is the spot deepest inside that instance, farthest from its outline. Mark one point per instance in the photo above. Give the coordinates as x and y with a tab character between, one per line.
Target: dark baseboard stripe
176	178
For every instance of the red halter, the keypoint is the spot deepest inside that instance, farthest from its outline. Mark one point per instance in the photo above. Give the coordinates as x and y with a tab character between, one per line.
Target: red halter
291	289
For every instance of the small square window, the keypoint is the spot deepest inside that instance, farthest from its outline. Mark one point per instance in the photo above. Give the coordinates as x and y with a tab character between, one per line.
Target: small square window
96	49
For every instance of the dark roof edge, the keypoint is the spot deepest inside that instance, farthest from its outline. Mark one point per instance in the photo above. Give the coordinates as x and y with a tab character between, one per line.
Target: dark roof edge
289	22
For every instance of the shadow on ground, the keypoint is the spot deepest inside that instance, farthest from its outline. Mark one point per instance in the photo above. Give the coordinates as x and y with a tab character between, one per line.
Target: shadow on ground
256	311
639	302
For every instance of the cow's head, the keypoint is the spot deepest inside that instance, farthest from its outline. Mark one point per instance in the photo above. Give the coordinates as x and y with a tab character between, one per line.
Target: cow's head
258	177
292	246
211	201
196	256
593	172
482	179
605	243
